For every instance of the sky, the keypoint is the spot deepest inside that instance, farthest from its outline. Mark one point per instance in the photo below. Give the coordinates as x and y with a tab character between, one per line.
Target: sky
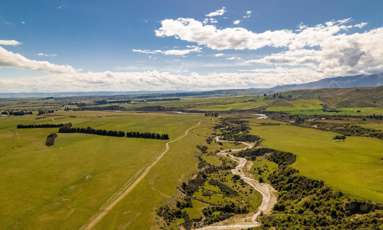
183	45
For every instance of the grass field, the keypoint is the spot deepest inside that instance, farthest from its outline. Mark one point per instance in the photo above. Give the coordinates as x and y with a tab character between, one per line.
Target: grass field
373	125
64	185
137	210
227	106
314	107
204	104
354	166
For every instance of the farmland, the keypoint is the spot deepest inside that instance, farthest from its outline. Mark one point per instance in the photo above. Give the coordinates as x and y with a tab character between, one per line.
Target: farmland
68	182
88	181
353	166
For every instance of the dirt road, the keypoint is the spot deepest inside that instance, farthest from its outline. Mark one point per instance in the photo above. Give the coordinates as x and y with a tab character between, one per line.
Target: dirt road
130	185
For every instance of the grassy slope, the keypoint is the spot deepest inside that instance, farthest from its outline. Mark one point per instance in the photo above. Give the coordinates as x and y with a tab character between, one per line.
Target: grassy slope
42	188
314	107
354	166
137	210
372	125
352	97
206	104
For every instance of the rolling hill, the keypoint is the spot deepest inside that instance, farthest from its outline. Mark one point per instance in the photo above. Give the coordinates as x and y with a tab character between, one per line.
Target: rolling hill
336	82
346	97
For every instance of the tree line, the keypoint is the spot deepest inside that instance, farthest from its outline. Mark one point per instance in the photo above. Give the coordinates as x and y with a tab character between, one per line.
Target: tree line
16	113
114	133
31	126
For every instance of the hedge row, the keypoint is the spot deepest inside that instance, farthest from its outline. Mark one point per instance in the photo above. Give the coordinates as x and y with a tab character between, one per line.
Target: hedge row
31	126
113	133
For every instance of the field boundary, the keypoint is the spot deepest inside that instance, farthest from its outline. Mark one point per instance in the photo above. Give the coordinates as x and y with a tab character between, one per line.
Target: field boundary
130	185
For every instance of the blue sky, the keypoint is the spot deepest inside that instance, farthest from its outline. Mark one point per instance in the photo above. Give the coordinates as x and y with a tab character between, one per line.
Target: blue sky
104	43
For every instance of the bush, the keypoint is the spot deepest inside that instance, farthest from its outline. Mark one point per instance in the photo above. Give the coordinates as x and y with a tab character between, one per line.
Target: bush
51	139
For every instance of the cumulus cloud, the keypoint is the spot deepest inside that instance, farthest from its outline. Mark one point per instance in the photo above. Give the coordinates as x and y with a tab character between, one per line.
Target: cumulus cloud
11	59
332	48
9	43
66	78
236	22
151	80
192	30
306	53
216	13
173	52
342	54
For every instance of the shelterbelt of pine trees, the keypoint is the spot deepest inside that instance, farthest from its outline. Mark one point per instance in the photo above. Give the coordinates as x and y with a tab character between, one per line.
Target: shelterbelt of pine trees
31	126
114	133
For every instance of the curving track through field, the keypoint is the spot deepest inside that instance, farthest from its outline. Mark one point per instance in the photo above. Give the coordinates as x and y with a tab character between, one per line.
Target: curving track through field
130	185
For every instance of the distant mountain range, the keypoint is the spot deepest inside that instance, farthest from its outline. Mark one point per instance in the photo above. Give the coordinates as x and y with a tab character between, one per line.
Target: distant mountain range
358	81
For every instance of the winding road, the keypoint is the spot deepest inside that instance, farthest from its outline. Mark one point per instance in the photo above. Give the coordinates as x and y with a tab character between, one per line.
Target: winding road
130	185
268	193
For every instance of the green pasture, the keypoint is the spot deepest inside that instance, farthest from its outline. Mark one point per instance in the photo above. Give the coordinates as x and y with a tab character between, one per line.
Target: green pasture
354	166
62	186
137	210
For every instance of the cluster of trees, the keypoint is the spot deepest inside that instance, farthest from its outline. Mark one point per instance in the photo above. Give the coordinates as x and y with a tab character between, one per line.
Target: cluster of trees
42	112
223	187
235	129
211	114
344	128
329	109
90	130
16	113
31	126
51	138
174	212
148	135
375	117
100	108
340	138
114	133
104	102
279	157
305	203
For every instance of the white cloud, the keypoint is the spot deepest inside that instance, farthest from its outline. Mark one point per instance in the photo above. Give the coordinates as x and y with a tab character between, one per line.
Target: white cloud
248	14
238	38
343	54
361	25
9	43
233	58
150	80
217	13
10	59
219	55
332	48
210	21
173	52
191	30
67	78
41	54
236	22
308	53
